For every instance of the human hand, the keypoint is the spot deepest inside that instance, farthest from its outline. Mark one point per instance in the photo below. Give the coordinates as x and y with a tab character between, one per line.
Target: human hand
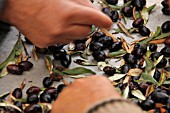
53	21
84	94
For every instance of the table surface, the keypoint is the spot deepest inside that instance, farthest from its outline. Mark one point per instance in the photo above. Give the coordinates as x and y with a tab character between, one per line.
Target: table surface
8	37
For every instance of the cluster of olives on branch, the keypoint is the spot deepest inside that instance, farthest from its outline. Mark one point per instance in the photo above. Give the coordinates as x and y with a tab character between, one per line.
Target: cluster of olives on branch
166	7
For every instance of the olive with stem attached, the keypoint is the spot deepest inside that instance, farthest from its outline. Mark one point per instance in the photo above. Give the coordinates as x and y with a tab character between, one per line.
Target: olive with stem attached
27	65
17	93
138	22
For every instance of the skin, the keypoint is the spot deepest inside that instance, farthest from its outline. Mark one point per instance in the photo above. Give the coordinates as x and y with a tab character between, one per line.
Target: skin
49	22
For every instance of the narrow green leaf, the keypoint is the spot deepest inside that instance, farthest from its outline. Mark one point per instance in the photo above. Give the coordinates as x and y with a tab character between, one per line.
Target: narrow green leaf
78	71
145	15
151	8
163	35
162	79
59	72
158	31
149	65
149	78
84	63
117	53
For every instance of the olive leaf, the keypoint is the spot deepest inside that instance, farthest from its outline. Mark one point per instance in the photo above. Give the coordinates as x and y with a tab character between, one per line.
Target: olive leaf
10	105
158	31
84	56
74	52
163	35
150	90
158	60
162	79
134	72
4	95
145	15
149	64
126	92
166	82
117	53
138	94
59	72
78	71
116	77
77	76
49	63
149	9
147	78
84	63
101	65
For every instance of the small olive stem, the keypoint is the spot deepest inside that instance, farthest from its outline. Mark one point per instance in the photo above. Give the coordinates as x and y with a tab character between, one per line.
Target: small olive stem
134	13
35	54
25	49
108	34
138	40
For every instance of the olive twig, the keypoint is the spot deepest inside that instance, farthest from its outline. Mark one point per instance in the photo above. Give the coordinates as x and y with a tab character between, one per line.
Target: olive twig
35	54
108	34
134	14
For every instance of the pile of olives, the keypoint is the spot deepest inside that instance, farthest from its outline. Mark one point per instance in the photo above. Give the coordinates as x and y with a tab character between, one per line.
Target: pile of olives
166	7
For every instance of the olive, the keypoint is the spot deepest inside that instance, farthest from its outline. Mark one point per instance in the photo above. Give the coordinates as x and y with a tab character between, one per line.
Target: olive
55	47
140	51
33	90
138	22
160	97
45	97
41	50
166	51
32	99
144	31
53	92
147	104
27	65
110	71
115	16
99	56
135	101
127	11
56	77
153	47
165	4
28	41
33	108
80	47
106	41
47	82
166	27
112	2
157	75
17	93
166	11
19	104
133	85
125	1
96	46
167	41
60	88
136	66
143	87
139	4
59	53
130	58
124	69
121	86
106	10
97	35
144	2
115	46
65	60
15	69
155	55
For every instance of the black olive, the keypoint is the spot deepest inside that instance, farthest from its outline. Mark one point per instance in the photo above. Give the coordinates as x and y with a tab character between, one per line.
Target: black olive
167	41
136	101
32	99
124	69
121	86
160	97
110	71
53	92
157	75
106	10
166	51
140	51
167	69
17	93
112	2
143	87
41	50
115	16
15	69
155	55
153	47
136	66
139	4
65	60
28	41
33	90
99	56
133	85
166	11
144	2
45	97
130	58
19	104
59	53
165	4
55	47
97	35
80	47
60	88
33	108
166	27
125	1
144	31
138	22
127	11
56	77
27	65
47	82
115	46
147	104
96	46
106	41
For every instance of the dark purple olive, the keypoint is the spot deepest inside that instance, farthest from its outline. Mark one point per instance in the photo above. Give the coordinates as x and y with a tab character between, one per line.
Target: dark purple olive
136	101
15	69
136	66
59	53
106	41
47	82
130	58
19	104
107	11
65	60
124	69
160	97
166	11
99	56
41	50
45	97
155	55
56	77
165	4
153	47
27	65
97	35
125	1
115	46
80	47
144	31
133	85
139	4
110	71
33	108
144	2
166	51
17	93
55	47
60	88
166	27
112	2
140	51
157	75
96	46
138	22
115	16
33	90
32	99
147	104
53	92
127	11
143	87
121	86
167	41
28	41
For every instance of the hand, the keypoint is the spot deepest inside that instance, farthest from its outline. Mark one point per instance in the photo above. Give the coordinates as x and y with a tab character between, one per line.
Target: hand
49	22
83	94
